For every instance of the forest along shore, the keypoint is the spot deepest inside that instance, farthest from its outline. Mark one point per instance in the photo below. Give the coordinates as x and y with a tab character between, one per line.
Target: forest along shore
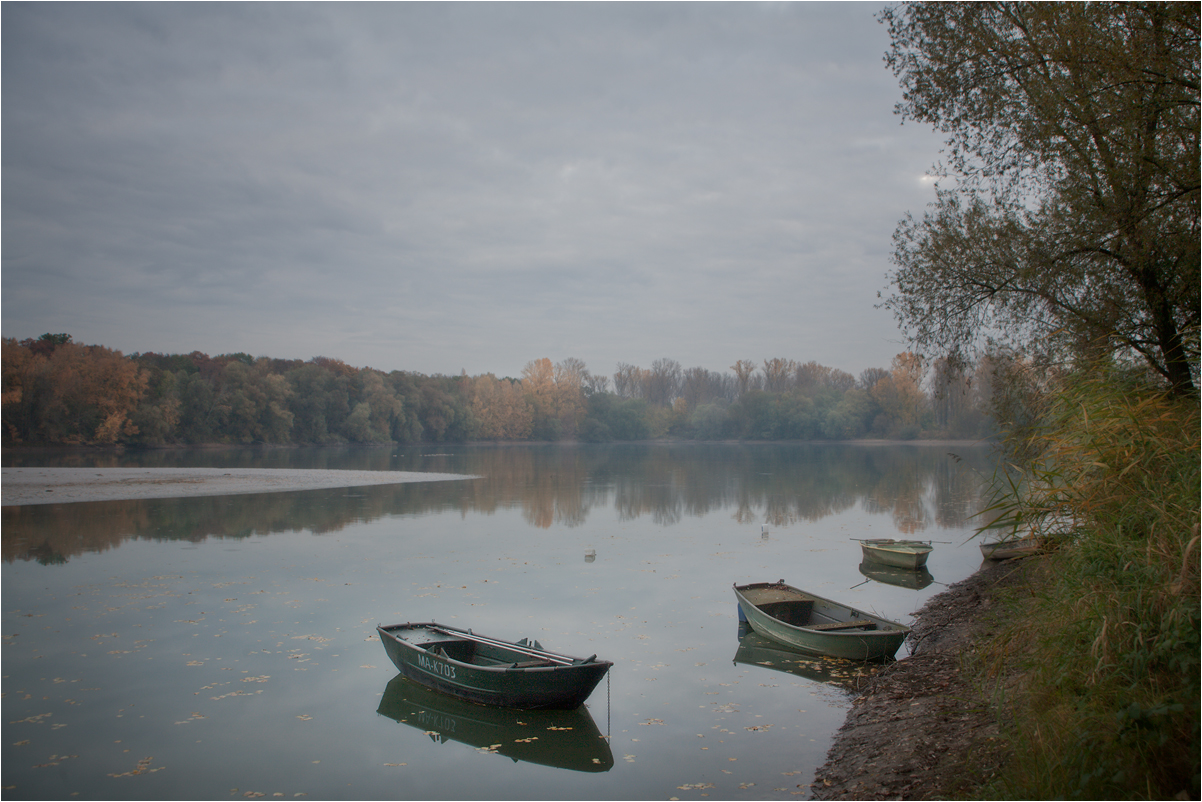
22	486
919	729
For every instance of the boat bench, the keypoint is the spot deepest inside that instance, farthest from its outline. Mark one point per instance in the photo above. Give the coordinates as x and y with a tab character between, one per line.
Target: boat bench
841	625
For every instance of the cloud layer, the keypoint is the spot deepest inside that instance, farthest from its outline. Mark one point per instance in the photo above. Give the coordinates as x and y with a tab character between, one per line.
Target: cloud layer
437	187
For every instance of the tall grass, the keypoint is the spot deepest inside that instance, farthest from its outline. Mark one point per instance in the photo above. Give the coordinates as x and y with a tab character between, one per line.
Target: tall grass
1106	702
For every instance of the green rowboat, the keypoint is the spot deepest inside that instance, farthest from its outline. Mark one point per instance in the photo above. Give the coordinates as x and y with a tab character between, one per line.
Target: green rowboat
489	671
911	554
813	624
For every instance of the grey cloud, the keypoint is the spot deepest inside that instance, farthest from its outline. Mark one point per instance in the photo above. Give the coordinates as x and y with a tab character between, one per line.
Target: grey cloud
437	186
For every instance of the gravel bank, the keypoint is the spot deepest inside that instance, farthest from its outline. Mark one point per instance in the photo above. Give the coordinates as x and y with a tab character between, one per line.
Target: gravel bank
920	729
20	486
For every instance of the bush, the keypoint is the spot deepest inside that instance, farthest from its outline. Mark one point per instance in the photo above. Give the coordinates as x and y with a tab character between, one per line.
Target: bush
1110	649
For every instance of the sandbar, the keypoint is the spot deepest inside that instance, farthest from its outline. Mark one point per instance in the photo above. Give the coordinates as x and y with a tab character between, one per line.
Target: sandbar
22	486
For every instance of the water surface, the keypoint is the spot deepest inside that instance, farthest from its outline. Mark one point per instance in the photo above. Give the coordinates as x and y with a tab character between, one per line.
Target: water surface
225	646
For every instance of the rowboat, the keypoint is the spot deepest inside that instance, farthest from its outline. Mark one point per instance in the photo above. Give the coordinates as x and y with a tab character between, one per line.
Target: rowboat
910	554
1009	549
898	577
563	739
522	675
813	624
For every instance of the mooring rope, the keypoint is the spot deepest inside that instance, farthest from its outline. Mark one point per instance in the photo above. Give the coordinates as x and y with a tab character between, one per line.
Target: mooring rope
608	735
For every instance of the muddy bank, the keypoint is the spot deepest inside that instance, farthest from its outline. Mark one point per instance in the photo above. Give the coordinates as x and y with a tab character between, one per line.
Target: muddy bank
918	729
19	486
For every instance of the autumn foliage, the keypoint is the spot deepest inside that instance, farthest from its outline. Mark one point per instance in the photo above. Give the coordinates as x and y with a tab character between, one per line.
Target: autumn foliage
62	392
59	392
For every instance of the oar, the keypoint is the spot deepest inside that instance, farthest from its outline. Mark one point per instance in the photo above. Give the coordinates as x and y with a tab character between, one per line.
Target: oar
510	646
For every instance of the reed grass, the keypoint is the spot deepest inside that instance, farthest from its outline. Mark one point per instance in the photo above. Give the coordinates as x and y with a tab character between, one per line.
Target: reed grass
1102	655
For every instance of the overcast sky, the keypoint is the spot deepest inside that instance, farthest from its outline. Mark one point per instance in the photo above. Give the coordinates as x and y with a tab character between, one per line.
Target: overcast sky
445	187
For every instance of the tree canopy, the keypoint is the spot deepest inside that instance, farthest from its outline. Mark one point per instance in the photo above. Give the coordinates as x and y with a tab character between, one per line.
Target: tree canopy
57	391
1072	223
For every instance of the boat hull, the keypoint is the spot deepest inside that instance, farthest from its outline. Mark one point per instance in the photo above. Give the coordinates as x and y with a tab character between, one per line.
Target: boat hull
788	615
559	686
896	553
1008	549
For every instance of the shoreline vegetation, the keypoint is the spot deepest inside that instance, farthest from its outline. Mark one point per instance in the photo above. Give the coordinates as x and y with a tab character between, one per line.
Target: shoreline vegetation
59	392
1072	674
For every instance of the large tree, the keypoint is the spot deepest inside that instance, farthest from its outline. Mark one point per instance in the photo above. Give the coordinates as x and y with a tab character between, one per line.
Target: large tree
1067	212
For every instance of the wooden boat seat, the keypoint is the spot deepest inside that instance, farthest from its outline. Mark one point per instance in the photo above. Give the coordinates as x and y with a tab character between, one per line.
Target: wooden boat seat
840	625
532	664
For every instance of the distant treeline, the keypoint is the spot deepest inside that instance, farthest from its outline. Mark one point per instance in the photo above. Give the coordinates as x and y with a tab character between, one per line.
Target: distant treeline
59	392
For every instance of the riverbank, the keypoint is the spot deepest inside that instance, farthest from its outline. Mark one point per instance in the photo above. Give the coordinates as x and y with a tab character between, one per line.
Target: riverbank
22	486
921	728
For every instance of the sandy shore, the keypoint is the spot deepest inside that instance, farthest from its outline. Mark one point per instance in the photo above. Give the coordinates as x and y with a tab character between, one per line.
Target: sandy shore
20	486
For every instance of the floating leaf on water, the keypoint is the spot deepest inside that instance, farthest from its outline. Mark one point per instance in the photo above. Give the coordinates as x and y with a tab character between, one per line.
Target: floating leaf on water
143	767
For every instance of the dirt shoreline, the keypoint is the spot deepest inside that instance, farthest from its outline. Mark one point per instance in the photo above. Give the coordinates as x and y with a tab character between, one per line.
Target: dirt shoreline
23	486
919	729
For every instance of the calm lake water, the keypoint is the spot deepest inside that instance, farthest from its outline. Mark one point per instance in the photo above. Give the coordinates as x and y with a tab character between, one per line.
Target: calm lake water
225	647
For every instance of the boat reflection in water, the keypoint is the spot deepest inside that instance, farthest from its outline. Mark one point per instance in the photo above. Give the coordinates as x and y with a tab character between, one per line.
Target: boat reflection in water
756	650
901	577
564	739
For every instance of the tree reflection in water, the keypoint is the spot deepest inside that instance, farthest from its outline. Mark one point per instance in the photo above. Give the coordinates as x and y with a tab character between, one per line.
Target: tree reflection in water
775	484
